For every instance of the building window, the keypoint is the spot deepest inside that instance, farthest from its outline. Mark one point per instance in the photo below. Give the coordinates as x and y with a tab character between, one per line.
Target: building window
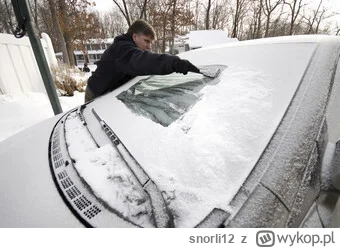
95	46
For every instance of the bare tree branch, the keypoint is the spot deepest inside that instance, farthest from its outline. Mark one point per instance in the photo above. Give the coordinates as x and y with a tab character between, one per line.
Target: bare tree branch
124	11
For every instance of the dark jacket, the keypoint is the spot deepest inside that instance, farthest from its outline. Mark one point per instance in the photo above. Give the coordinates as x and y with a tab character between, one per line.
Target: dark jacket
122	61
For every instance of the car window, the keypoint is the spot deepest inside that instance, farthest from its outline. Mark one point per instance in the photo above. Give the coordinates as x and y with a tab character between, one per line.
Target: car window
163	99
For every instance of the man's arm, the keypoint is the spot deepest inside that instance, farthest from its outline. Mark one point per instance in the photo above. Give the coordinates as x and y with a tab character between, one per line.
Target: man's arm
134	61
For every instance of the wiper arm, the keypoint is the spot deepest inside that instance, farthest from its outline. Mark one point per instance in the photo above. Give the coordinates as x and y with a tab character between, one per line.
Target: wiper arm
162	216
80	115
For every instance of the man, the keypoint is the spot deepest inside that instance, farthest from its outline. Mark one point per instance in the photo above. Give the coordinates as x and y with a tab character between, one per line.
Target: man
130	56
86	68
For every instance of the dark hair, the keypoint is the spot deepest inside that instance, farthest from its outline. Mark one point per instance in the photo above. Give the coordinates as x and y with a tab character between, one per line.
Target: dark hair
142	27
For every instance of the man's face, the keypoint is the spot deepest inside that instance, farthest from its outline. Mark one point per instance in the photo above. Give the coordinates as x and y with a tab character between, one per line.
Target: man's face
142	41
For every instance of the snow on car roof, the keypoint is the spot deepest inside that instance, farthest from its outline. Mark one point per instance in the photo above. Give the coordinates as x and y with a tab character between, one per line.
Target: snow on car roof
274	40
198	38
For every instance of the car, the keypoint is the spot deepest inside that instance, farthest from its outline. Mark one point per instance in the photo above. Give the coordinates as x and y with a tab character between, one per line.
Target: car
254	146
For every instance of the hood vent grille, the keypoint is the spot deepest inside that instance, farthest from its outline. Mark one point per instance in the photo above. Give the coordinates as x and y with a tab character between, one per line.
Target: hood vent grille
74	191
92	212
82	202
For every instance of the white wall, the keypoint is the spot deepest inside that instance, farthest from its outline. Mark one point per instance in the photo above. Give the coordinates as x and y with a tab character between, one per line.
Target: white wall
19	71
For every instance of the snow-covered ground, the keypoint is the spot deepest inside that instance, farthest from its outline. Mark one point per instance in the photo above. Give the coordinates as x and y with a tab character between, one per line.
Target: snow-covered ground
21	111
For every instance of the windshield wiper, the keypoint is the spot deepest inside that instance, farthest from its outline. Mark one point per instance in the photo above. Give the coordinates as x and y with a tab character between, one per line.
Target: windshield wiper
80	115
162	216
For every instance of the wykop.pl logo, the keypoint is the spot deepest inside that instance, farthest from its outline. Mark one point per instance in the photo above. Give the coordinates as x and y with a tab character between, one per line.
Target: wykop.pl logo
265	238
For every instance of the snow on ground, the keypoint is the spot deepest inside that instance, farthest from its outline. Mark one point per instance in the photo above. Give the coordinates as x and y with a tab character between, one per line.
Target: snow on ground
21	111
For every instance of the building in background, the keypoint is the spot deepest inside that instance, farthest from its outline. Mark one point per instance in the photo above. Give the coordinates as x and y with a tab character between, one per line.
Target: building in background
93	51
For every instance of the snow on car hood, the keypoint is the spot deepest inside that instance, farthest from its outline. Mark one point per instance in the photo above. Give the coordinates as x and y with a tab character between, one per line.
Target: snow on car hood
201	160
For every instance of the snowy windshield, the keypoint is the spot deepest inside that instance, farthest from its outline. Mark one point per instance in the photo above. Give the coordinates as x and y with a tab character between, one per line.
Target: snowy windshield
197	139
163	99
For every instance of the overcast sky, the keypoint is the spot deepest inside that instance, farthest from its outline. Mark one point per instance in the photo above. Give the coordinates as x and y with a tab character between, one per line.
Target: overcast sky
104	5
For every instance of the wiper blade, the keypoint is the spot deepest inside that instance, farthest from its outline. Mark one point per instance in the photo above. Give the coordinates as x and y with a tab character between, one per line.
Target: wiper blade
162	216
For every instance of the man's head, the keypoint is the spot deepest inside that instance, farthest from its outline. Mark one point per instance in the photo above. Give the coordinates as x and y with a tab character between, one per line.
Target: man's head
143	34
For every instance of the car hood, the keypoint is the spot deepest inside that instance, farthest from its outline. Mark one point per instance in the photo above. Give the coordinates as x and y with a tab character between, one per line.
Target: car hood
28	196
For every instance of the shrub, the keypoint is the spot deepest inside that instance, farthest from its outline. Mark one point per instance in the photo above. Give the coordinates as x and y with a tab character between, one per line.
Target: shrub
68	80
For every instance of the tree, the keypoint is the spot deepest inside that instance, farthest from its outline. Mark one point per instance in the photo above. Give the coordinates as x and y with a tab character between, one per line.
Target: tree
64	21
295	7
34	8
124	10
268	8
112	23
337	31
196	14
161	13
143	9
279	26
207	15
259	20
133	9
220	15
7	22
315	17
173	21
238	15
255	26
78	25
58	31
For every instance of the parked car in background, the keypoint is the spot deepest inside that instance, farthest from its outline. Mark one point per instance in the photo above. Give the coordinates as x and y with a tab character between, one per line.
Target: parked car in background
254	147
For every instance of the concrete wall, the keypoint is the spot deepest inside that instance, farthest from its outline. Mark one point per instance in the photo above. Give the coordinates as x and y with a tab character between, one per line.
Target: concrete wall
19	72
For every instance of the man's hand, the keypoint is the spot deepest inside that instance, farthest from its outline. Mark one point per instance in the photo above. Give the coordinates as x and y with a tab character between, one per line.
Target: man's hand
184	66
